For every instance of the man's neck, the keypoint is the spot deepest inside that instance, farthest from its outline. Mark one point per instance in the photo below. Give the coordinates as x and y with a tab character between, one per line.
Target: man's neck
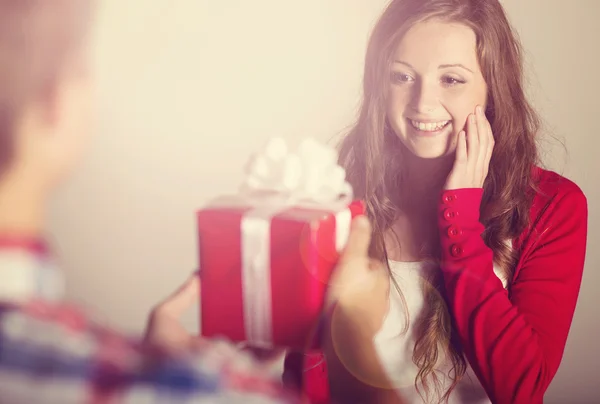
22	207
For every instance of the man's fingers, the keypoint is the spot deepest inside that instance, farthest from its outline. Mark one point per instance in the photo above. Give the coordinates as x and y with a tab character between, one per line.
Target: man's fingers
183	298
358	241
264	354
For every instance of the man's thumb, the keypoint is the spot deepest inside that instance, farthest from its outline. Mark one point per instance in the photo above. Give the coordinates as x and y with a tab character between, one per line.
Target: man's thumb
358	240
183	298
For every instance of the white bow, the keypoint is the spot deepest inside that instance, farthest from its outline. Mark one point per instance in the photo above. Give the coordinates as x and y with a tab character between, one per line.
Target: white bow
310	174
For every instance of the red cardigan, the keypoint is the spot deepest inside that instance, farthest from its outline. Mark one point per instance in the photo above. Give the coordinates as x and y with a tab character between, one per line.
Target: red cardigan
514	340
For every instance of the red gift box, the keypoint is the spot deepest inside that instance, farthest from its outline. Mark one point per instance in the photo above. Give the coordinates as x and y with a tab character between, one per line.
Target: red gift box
264	274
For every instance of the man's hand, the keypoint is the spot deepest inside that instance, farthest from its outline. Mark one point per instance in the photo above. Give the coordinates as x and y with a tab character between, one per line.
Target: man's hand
359	283
164	328
358	302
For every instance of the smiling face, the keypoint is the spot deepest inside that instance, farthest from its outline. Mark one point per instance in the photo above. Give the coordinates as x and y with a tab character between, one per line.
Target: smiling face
436	82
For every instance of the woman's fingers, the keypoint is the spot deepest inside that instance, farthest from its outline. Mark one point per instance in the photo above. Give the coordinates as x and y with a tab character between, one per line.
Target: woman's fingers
457	176
483	137
473	154
489	149
473	150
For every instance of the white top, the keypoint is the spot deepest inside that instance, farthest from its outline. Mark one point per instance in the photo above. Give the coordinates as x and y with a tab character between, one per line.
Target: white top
395	349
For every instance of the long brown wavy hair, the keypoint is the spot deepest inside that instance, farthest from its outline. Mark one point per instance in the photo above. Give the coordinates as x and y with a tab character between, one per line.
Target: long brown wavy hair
371	153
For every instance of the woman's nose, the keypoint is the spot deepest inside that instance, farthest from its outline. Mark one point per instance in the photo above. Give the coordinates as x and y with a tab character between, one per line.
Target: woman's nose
425	98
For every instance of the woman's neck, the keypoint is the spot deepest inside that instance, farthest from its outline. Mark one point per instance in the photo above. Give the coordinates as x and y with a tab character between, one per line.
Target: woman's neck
423	182
413	235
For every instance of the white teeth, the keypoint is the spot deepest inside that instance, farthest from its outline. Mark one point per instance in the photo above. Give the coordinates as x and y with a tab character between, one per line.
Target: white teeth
429	126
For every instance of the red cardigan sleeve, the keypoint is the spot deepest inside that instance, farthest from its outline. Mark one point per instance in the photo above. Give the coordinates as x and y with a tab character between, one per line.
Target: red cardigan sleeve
514	340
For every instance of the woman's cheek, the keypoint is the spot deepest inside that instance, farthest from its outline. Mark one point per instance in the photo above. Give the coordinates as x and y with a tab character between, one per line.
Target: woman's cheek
460	106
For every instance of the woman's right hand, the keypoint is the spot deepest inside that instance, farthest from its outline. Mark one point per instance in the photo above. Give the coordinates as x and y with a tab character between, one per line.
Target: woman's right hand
473	153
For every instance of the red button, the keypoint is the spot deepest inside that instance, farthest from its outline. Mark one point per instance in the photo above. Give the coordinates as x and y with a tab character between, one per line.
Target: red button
449	199
454	231
456	250
450	214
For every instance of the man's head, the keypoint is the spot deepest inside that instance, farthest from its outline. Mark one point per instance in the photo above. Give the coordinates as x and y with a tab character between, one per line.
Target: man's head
44	88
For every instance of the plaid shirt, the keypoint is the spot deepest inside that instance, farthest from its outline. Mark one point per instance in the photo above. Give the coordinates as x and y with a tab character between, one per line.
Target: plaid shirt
51	352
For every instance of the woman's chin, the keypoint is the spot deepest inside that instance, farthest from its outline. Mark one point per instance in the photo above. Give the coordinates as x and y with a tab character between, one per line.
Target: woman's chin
431	153
440	146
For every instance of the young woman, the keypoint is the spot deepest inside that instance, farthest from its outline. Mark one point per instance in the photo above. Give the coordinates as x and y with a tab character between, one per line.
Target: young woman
485	249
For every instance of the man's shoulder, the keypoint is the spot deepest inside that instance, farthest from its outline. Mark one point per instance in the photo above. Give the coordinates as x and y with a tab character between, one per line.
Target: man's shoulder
59	343
60	339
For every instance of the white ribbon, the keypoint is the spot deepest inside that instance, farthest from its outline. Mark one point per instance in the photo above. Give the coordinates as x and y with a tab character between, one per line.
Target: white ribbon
278	179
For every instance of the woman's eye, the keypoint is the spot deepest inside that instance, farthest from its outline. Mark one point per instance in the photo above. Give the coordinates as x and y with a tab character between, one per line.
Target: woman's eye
401	77
451	81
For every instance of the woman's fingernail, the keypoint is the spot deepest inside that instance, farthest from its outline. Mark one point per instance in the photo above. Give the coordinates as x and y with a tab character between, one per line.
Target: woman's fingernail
479	110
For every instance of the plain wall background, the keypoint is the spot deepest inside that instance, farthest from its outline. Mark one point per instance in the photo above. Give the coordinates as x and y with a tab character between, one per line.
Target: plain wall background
188	88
